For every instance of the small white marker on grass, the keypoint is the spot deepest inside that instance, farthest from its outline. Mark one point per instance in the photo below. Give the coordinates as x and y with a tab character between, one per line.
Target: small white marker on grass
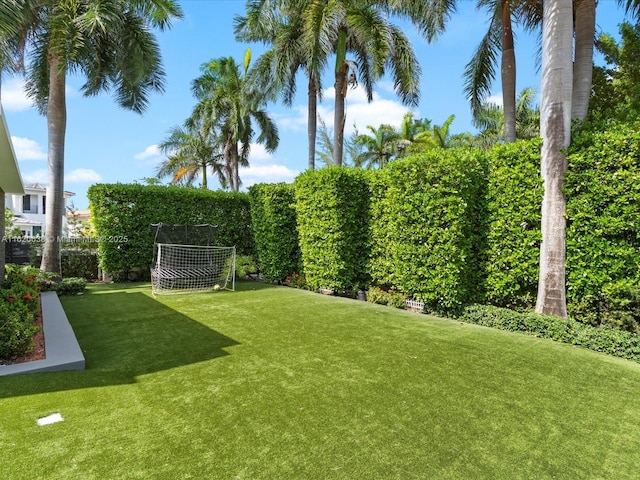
48	420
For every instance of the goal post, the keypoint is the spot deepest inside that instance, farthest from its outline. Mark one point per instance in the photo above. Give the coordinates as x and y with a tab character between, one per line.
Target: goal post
192	268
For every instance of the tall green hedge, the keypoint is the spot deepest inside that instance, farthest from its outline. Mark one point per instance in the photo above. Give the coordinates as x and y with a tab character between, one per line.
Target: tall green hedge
332	206
514	199
603	213
428	228
122	214
275	230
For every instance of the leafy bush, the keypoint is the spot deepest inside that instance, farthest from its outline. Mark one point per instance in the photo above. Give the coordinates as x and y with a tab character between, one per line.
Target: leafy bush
122	214
18	308
603	220
16	329
71	286
332	206
606	340
245	265
427	228
275	231
514	196
392	298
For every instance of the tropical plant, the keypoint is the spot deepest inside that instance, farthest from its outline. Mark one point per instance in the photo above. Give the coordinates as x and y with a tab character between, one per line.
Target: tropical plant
490	120
10	230
280	24
324	151
110	42
229	102
379	147
409	130
362	29
191	150
440	136
616	86
555	127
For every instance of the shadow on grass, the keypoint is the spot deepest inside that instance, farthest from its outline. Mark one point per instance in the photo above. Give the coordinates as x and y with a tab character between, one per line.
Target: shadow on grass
123	334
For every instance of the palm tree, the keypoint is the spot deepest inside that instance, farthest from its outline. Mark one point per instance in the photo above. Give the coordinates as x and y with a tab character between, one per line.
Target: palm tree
280	25
440	136
409	130
480	71
362	29
555	127
324	152
229	102
191	150
110	42
378	148
490	120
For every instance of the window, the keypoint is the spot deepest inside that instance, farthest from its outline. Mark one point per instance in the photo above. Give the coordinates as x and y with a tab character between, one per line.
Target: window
26	203
44	204
37	231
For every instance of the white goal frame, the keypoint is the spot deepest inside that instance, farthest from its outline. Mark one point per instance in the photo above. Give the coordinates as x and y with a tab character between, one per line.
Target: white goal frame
192	268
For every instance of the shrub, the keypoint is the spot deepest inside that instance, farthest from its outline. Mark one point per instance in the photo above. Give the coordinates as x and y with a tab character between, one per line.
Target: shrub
606	340
514	196
427	228
275	231
603	220
71	286
18	307
332	206
16	329
245	265
122	214
392	298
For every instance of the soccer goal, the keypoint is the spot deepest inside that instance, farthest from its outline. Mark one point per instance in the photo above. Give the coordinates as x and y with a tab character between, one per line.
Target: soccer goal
184	267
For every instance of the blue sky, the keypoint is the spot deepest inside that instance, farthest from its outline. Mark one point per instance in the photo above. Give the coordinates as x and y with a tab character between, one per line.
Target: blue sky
106	144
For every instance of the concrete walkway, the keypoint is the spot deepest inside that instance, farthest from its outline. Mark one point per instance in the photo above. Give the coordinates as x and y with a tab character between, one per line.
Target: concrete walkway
61	346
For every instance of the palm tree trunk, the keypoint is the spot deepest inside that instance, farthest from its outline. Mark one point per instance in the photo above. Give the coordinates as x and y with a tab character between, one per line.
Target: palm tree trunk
583	65
312	121
204	175
508	73
56	128
339	115
555	127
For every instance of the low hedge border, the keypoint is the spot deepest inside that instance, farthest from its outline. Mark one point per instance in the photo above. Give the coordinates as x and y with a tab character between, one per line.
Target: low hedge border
600	339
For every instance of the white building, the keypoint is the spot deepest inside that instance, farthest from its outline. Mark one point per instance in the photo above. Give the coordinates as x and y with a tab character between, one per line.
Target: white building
30	209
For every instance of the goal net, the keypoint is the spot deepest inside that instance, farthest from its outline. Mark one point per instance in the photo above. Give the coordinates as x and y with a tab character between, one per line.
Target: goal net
193	268
185	261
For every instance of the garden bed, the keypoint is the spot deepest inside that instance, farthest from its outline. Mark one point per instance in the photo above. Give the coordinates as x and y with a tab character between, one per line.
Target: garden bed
62	349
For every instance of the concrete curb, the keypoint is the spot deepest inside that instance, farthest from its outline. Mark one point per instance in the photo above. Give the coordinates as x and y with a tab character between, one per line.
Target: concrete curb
62	349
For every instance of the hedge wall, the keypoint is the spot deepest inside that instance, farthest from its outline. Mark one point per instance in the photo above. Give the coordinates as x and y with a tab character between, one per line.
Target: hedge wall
514	199
332	206
275	230
427	228
603	213
122	214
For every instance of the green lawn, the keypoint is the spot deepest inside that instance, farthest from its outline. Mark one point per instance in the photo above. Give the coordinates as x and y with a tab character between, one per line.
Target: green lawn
277	383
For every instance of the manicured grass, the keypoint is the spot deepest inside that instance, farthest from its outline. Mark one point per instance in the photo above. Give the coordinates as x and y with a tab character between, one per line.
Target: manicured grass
277	383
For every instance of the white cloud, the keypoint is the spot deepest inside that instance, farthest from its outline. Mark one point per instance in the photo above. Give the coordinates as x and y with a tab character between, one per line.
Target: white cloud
27	149
82	175
361	113
150	152
357	108
258	153
151	156
496	98
266	174
13	96
36	176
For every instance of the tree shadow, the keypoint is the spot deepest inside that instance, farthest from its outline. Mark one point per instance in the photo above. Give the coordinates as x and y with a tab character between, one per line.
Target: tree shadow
123	334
